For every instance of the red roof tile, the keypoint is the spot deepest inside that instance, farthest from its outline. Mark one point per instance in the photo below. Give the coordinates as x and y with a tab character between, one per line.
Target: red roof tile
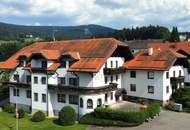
94	51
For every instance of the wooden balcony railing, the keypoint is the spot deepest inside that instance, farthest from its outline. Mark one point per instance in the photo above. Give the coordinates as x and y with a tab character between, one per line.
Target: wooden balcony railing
175	80
112	71
84	90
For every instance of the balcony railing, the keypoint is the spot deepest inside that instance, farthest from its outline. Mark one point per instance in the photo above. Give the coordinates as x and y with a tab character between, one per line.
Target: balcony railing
175	80
111	71
84	90
17	84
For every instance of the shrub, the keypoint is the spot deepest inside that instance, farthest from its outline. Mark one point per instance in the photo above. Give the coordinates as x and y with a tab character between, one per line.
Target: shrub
170	105
21	113
92	120
9	108
38	116
152	110
67	116
182	96
129	117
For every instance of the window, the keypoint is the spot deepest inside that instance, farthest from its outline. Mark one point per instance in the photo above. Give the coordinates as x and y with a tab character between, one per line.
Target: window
21	63
63	64
133	87
28	93
106	65
73	81
16	92
28	79
133	74
106	80
106	97
111	95
111	64
111	79
116	77
89	104
167	89
116	64
81	103
99	102
61	98
61	80
73	99
70	63
43	80
150	75
173	73
43	97
36	97
167	75
151	89
44	64
179	72
16	77
35	80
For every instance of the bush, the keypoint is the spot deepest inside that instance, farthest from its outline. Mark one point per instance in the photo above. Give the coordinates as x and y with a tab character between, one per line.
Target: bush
182	96
21	113
129	117
38	116
9	108
92	120
152	110
67	116
170	105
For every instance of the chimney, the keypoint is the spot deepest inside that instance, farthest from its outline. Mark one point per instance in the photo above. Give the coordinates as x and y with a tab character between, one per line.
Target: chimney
150	51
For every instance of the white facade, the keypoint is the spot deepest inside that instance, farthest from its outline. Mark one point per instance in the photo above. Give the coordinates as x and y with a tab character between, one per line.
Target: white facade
160	82
50	105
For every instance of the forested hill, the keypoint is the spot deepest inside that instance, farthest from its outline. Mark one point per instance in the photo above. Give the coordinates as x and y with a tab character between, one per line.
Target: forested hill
14	32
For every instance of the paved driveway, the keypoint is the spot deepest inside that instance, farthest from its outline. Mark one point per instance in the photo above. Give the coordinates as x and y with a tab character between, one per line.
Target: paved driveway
166	121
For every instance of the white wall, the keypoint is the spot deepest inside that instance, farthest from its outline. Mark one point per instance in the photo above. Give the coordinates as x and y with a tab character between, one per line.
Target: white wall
40	89
21	99
22	75
159	82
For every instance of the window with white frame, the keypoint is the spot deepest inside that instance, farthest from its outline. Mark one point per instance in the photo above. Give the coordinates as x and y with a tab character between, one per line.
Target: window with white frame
89	104
150	75
61	98
133	87
151	89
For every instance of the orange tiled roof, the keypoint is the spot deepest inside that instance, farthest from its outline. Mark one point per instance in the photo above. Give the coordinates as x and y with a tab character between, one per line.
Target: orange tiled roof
174	46
159	60
92	52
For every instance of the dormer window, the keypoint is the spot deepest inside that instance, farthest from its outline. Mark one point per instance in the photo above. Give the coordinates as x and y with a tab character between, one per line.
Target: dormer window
21	63
63	64
44	64
70	63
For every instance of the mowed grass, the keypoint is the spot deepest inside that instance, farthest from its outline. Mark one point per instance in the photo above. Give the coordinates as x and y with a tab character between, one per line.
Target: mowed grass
8	121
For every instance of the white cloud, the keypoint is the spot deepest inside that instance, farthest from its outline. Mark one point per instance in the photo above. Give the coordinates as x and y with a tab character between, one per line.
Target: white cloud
125	12
37	24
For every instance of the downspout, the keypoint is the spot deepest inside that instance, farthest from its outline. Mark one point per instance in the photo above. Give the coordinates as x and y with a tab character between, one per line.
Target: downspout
78	115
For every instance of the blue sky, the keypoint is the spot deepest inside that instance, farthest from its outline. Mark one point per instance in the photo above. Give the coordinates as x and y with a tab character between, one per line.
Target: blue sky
112	13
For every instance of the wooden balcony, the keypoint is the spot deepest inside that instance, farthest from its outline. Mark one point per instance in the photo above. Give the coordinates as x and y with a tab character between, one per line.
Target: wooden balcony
17	84
176	80
84	90
112	71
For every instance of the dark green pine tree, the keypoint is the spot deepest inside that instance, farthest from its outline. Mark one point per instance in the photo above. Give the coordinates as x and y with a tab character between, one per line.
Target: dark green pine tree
174	36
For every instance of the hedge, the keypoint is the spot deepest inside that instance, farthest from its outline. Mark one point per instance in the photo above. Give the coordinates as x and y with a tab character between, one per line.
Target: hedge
130	117
90	119
21	113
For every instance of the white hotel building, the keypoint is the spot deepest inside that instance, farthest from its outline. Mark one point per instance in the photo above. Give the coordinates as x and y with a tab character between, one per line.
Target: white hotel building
89	73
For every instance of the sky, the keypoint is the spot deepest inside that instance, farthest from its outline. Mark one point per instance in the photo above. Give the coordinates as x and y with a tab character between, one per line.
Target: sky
112	13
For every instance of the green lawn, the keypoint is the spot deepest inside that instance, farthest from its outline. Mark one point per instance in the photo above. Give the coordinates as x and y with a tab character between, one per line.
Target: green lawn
7	122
